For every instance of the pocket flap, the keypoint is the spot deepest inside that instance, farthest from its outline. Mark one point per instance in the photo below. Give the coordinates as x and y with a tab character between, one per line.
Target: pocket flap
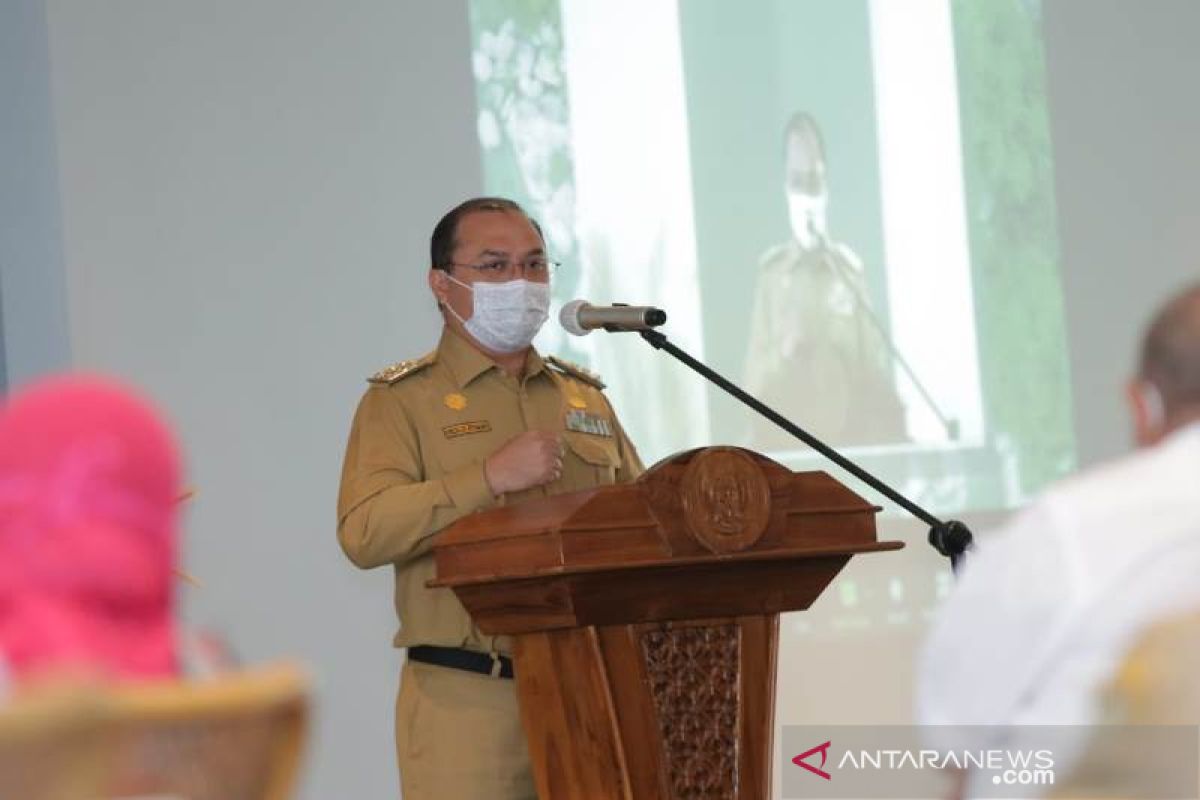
598	450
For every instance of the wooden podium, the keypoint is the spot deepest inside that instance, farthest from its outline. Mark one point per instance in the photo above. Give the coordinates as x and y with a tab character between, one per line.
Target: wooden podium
647	616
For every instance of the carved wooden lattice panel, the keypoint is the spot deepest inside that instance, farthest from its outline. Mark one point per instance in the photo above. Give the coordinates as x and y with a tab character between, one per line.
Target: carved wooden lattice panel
693	673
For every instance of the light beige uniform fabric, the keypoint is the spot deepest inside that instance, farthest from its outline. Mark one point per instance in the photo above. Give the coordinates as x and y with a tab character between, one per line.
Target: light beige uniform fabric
459	736
414	465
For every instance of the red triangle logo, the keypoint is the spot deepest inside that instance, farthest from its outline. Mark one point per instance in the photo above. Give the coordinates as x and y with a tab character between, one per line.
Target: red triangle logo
823	749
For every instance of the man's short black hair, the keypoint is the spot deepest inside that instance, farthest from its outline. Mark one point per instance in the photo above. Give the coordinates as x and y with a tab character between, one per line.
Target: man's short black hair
445	233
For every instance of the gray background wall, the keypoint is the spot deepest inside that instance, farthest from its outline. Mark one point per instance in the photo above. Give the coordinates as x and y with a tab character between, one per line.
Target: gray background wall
246	190
228	202
33	316
1126	127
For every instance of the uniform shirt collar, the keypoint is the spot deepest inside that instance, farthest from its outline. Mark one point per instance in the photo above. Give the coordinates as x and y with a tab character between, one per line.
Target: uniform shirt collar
466	363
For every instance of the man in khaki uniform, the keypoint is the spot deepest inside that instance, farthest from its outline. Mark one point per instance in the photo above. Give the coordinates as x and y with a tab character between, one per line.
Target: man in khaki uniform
482	421
816	350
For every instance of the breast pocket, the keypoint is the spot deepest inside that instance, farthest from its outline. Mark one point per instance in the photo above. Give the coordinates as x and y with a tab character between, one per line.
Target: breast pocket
591	460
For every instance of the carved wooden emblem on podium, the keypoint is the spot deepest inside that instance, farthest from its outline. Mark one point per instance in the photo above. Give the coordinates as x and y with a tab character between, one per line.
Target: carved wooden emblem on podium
726	500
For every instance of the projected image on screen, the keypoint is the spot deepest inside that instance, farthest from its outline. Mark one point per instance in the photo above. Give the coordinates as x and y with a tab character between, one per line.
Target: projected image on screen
845	205
817	349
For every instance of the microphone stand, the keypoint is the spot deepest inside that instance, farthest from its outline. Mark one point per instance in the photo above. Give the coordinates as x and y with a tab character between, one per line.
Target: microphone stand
865	308
951	538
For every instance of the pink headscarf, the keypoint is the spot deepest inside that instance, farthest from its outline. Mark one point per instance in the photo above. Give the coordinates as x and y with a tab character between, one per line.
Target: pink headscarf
89	477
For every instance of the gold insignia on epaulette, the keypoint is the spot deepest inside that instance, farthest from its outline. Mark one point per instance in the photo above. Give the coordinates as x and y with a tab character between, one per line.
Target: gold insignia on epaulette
576	371
400	370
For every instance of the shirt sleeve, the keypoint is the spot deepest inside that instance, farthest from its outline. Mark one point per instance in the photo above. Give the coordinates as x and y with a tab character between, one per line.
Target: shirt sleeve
993	633
631	463
387	511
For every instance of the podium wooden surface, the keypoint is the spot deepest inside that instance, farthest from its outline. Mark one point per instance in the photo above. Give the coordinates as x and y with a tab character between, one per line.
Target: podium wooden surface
646	617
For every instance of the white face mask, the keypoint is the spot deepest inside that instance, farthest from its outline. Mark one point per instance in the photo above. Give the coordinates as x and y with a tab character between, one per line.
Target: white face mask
806	213
507	315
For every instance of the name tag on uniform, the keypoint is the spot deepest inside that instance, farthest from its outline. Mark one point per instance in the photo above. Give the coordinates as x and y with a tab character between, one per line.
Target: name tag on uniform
464	428
583	422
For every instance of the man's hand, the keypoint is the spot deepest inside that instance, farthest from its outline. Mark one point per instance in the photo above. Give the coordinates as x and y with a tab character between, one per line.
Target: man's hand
528	459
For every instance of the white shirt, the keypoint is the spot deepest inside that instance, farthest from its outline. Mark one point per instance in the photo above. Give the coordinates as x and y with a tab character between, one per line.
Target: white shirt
1044	610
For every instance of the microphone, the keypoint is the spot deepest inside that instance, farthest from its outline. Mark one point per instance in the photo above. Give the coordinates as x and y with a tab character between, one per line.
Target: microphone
579	317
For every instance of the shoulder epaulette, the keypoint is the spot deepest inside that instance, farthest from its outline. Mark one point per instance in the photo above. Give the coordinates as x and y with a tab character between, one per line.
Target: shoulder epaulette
778	252
849	256
575	371
401	370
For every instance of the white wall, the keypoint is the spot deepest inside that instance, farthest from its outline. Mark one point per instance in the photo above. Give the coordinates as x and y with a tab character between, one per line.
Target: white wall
247	188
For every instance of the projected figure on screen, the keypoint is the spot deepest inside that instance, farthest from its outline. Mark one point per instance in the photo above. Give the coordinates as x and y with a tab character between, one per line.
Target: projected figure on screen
817	353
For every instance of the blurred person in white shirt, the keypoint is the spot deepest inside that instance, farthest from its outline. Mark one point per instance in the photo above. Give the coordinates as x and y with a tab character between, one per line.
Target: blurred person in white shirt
1045	609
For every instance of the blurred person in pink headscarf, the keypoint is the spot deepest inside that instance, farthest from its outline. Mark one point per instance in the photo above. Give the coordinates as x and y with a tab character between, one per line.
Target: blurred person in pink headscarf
89	483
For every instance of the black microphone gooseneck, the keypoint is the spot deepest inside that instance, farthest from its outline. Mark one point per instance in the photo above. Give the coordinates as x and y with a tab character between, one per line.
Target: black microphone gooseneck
951	538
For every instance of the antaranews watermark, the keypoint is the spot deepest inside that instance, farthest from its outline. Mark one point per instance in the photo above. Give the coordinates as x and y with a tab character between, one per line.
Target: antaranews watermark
1149	762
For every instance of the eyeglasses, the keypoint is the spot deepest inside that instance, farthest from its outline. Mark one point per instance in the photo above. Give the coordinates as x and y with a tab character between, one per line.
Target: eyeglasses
535	269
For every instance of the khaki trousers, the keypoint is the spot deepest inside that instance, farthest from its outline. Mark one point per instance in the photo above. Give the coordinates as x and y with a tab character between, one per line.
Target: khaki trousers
459	736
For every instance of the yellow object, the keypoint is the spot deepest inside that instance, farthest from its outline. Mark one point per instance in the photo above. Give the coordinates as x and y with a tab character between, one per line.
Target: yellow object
465	428
577	402
52	745
400	370
239	736
455	401
1140	746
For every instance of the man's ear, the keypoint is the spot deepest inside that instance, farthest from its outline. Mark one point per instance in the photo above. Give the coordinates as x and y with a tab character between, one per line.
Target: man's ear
438	285
1146	410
